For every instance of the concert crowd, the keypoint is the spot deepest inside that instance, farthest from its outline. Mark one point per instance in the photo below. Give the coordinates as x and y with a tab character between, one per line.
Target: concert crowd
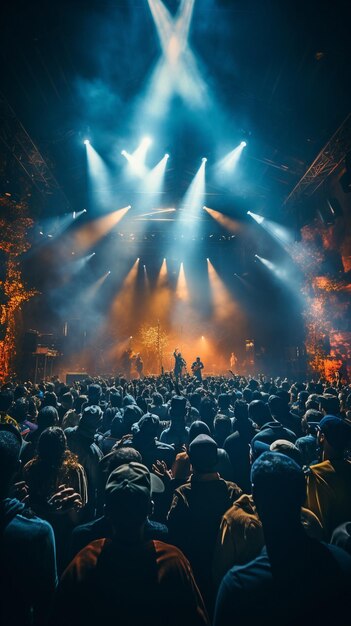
175	500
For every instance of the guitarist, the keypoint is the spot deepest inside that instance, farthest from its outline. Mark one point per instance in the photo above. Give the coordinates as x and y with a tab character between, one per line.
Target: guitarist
196	368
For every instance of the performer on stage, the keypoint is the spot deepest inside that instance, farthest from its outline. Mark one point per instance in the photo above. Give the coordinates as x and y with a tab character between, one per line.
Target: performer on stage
196	368
233	361
179	363
126	362
139	364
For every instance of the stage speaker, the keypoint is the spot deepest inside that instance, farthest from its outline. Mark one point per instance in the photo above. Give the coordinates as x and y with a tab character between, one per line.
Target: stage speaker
72	377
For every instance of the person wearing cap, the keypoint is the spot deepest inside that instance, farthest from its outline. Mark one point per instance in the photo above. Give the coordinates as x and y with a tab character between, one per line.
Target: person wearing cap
27	555
196	510
145	440
295	579
101	527
240	538
307	444
81	441
329	482
126	579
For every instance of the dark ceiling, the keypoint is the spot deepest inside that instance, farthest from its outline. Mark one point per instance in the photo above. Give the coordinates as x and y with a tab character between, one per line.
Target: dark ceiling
279	71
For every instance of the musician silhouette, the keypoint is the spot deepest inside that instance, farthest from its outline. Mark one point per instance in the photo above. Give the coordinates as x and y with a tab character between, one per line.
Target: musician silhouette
196	368
179	363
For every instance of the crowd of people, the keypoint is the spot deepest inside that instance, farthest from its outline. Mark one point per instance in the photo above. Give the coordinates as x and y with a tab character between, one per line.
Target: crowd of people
167	500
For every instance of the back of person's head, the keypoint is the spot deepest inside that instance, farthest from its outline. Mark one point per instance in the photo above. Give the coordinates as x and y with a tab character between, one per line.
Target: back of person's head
329	404
147	427
128	497
94	393
131	415
20	392
20	409
115	399
195	399
78	403
47	416
10	450
284	395
177	409
310	420
203	454
198	428
116	458
278	489
288	448
259	412
128	400
67	400
334	434
247	394
6	399
90	420
224	401
50	399
157	399
241	412
52	445
207	410
276	406
222	426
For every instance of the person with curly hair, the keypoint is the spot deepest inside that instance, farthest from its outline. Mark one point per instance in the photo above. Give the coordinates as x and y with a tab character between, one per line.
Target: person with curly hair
57	485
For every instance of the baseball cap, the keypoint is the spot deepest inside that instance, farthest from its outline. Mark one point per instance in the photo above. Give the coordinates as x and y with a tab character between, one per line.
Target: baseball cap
131	483
336	430
288	448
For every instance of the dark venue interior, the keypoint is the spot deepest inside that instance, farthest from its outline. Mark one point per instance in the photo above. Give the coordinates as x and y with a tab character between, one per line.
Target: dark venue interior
175	311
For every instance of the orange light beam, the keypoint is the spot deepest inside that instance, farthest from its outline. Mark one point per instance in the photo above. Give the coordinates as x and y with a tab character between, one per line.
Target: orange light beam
91	233
182	291
227	222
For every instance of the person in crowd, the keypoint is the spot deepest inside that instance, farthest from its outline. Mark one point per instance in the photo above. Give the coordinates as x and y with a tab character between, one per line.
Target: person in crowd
237	445
47	417
181	469
57	485
27	547
66	404
329	482
259	413
145	439
280	411
101	527
307	444
157	407
113	409
329	404
274	430
177	432
295	579
136	581
81	441
240	538
196	511
222	428
6	401
224	405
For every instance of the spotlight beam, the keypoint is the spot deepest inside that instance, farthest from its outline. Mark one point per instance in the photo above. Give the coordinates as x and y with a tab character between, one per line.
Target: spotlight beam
178	70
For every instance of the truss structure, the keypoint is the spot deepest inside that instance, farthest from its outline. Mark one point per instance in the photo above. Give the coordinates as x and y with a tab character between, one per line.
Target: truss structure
329	158
17	141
